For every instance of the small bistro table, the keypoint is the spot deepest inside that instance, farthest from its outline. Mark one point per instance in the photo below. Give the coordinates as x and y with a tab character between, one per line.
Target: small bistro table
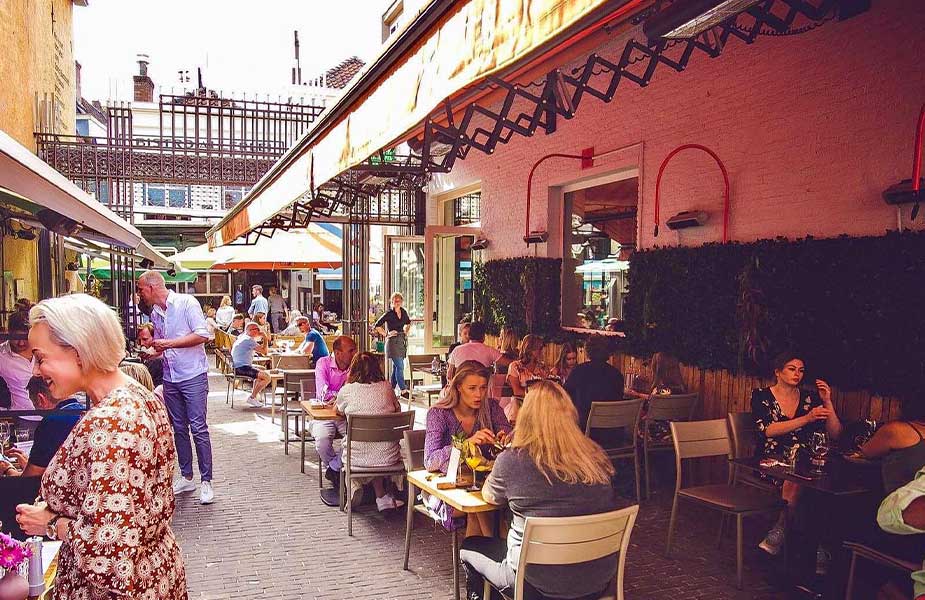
318	412
461	499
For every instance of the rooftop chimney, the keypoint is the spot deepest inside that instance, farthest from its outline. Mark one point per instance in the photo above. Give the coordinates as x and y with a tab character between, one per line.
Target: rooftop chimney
144	87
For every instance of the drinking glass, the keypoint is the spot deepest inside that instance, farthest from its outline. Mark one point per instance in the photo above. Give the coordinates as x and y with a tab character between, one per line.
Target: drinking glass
819	449
22	435
4	435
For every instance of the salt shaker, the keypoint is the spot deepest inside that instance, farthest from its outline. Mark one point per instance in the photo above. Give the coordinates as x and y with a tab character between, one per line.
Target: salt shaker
36	573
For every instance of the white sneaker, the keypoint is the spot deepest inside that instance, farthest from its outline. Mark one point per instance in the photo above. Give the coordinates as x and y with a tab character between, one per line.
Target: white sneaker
773	541
183	485
254	403
385	503
206	493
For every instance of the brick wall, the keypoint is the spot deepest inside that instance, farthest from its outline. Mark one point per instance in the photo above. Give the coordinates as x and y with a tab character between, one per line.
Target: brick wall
811	128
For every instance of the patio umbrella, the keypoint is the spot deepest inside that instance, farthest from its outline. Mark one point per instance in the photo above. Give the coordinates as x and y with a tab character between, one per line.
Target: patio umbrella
309	248
101	269
200	257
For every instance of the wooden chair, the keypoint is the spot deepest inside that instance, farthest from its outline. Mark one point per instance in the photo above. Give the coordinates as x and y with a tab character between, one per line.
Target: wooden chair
701	439
675	407
370	428
418	361
881	558
292	389
570	540
624	415
742	431
412	452
308	391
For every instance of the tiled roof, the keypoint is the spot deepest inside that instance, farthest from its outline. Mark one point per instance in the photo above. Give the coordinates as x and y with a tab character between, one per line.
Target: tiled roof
94	109
340	76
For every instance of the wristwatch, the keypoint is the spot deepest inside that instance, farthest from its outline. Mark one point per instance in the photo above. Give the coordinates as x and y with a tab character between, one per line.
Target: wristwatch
51	529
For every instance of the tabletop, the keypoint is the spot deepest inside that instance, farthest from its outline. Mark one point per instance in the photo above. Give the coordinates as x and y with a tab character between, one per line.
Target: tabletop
319	413
459	498
840	478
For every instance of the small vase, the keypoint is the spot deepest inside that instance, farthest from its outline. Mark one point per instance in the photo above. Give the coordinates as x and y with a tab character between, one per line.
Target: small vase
13	587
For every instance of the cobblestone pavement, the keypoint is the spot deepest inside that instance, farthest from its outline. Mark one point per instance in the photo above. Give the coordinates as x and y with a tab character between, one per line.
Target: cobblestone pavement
269	536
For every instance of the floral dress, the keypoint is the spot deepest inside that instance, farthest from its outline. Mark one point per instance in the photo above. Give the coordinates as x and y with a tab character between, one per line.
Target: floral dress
113	477
766	410
523	374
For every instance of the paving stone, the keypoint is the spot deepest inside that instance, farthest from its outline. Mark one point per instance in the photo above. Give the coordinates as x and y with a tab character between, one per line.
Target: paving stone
269	536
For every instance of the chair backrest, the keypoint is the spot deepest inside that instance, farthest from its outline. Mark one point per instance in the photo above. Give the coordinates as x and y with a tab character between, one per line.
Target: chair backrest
496	385
292	380
570	540
742	432
293	362
699	439
376	428
412	449
307	388
421	360
673	407
614	415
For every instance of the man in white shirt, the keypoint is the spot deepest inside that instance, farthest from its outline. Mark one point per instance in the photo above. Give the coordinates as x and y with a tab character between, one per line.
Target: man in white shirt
16	369
180	334
903	513
475	349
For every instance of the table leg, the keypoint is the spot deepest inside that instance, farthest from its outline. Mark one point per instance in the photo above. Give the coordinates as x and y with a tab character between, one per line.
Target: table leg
409	521
456	564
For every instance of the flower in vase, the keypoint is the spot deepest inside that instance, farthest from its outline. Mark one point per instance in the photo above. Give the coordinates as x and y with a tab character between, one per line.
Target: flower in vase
12	552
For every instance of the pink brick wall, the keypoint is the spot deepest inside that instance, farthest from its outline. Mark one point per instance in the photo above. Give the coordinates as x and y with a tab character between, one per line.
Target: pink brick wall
811	128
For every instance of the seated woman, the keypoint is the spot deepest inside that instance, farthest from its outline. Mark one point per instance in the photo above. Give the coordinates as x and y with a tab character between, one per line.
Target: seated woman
666	380
466	410
901	445
551	470
788	416
508	344
260	319
211	323
367	392
528	366
568	358
50	434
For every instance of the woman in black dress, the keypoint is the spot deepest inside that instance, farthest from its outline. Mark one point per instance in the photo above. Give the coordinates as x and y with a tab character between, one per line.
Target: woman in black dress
787	415
394	325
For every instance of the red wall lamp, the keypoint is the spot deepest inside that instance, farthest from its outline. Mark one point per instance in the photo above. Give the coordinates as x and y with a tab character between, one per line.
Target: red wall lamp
722	167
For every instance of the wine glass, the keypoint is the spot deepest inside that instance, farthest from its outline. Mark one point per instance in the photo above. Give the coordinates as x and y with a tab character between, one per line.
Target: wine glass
819	451
473	457
22	435
4	436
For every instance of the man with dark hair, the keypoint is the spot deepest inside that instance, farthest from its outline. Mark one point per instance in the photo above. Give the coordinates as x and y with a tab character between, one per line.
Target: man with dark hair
237	325
474	349
595	380
152	359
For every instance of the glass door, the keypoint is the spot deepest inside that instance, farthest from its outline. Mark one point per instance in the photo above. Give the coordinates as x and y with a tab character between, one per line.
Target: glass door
404	273
448	282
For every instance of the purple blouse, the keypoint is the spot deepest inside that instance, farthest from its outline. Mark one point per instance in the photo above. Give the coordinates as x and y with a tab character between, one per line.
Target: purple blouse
442	424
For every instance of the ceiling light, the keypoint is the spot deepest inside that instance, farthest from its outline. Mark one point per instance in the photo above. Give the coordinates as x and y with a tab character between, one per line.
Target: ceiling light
690	19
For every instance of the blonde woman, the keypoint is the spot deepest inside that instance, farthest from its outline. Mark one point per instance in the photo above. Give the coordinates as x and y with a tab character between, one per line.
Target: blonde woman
568	359
211	323
115	523
467	410
529	366
394	326
225	313
508	344
551	470
139	373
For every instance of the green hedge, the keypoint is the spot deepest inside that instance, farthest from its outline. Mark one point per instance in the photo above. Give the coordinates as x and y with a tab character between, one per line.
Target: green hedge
522	293
854	307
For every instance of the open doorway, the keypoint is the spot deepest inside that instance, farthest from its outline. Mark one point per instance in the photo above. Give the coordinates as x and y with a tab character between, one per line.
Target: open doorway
599	237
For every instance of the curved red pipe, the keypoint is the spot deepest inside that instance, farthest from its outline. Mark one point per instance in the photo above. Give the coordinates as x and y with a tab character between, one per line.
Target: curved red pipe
917	155
530	186
722	167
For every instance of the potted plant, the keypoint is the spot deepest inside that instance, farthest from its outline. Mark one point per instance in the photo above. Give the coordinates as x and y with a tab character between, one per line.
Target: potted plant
13	555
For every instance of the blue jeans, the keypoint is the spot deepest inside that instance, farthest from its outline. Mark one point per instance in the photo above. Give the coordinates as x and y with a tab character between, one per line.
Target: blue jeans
398	373
186	404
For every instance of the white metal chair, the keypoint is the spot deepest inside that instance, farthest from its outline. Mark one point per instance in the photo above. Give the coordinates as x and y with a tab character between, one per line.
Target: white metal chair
570	540
674	407
701	439
622	414
370	428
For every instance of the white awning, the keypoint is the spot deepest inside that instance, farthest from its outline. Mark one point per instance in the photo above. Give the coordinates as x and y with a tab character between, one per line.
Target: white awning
442	55
31	184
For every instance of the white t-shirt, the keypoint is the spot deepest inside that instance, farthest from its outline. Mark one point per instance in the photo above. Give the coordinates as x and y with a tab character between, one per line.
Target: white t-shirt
477	351
17	371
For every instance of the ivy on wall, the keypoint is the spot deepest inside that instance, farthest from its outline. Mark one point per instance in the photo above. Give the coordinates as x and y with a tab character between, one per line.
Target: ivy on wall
522	293
853	307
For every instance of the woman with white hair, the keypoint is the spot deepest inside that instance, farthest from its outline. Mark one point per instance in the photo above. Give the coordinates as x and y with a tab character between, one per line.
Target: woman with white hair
394	326
107	493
